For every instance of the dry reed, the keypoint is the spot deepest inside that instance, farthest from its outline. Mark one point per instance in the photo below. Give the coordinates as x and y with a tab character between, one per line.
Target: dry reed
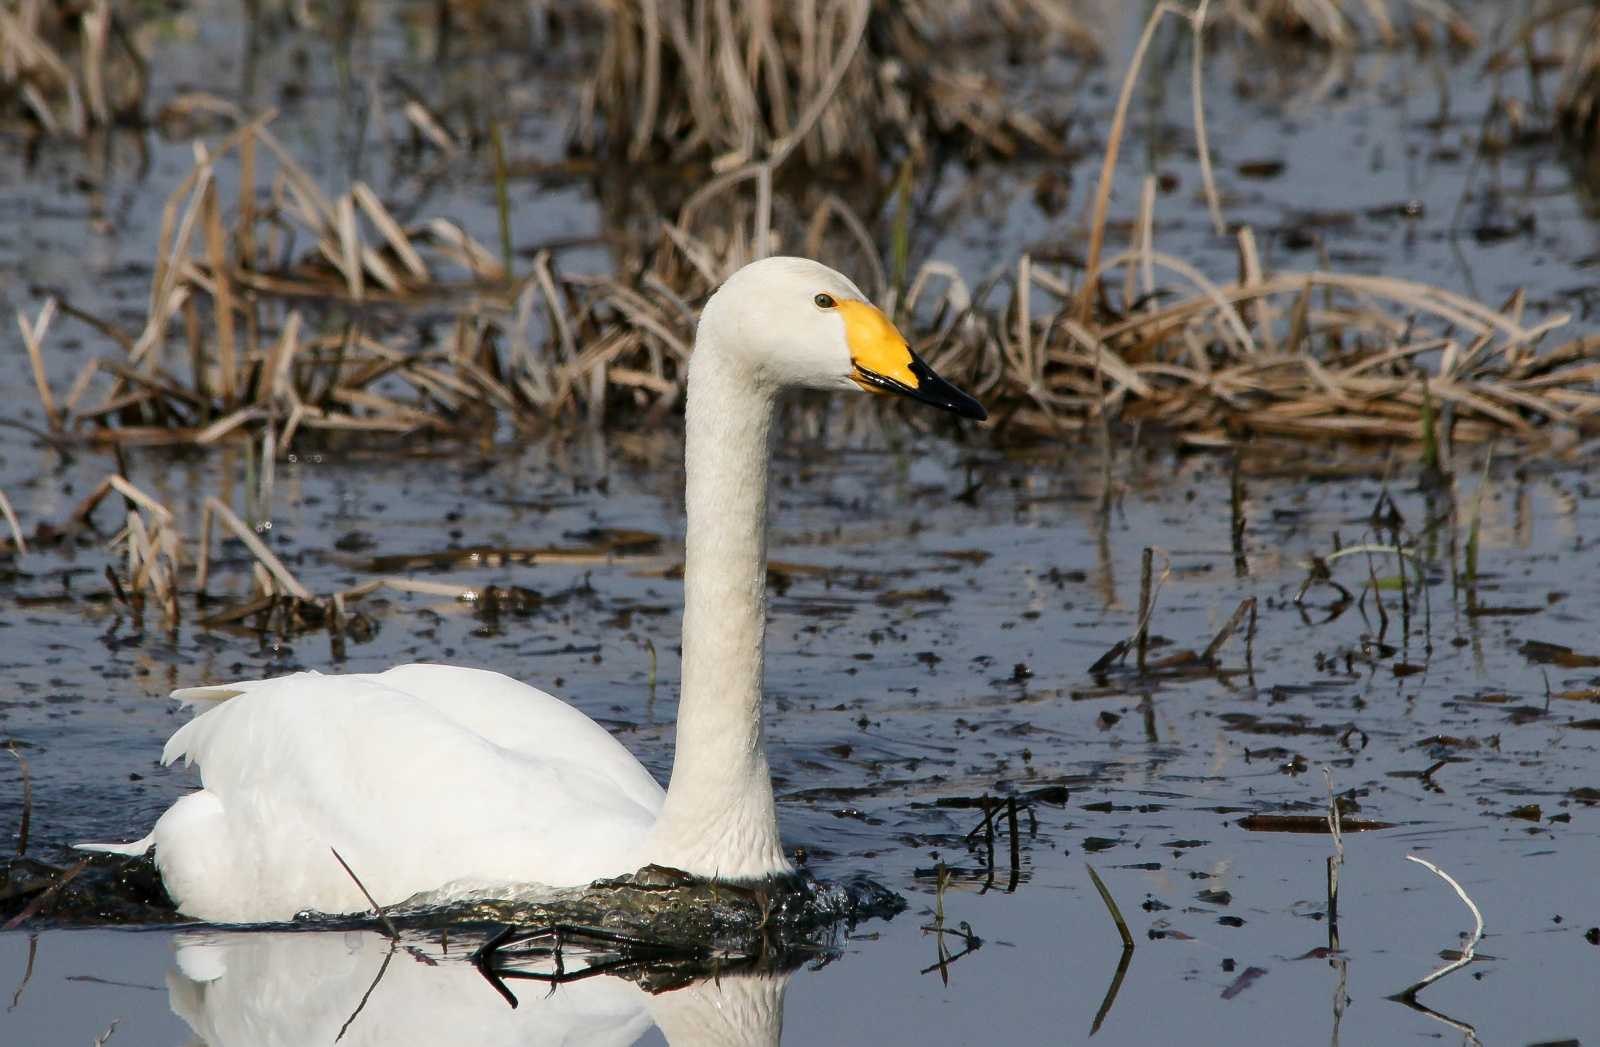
67	66
1346	24
855	80
295	309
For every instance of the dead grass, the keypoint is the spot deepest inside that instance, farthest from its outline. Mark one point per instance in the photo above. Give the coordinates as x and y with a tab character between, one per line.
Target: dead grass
228	346
1570	37
856	80
67	66
279	309
1147	337
1299	353
1344	24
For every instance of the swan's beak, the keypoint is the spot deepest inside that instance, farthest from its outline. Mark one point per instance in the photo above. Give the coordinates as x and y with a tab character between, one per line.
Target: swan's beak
884	363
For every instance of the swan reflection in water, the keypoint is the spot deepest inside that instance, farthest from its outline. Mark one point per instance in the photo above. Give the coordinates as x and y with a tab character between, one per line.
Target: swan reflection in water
358	988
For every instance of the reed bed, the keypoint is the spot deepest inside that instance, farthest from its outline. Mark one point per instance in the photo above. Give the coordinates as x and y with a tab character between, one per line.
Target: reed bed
242	295
1051	347
1568	37
1296	353
841	80
1345	24
279	309
68	66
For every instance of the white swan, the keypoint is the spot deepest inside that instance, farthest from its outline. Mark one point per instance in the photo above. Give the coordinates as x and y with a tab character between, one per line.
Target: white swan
430	777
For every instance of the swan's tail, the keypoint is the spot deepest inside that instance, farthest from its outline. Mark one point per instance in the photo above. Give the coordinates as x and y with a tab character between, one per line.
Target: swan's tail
137	847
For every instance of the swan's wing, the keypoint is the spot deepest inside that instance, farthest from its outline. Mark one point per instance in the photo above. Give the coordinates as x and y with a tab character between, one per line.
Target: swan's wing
411	796
494	706
521	718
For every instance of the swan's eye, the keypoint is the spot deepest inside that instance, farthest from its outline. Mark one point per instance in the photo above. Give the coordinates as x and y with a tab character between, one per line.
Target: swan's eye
825	301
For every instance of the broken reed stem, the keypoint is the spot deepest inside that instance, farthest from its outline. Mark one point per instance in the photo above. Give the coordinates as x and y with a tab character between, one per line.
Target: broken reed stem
32	908
1250	641
1247	606
1469	949
1103	431
203	559
1148	591
1377	597
1083	308
1335	860
33	338
1142	637
27	799
1236	523
15	525
1430	432
1213	202
388	924
1111	906
501	197
1470	568
258	549
336	625
900	240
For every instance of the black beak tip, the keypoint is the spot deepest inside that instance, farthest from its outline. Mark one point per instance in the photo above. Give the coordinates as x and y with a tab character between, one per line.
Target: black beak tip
931	389
970	408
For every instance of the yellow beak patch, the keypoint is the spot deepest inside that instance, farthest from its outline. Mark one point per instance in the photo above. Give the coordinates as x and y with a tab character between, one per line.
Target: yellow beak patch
876	345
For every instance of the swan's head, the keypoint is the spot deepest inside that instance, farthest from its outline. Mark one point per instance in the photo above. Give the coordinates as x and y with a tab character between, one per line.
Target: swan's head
793	322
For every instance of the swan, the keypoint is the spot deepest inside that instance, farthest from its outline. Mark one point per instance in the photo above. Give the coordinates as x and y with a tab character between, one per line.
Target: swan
430	778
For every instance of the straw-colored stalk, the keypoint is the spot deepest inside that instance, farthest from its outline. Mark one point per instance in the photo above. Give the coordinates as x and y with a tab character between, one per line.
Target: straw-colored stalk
69	68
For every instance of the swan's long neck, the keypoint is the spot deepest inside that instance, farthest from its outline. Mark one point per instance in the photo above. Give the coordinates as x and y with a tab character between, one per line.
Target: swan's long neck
718	818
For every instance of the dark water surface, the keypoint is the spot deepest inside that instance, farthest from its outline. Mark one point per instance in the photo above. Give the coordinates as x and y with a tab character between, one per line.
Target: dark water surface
894	685
936	608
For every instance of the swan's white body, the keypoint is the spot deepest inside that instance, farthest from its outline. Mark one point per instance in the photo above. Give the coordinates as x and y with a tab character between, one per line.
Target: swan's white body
425	776
429	777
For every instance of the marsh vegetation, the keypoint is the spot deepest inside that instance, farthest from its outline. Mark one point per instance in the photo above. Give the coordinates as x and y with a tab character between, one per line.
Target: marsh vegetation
355	333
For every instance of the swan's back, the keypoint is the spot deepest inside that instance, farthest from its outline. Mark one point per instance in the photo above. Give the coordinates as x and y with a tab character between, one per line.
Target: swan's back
421	777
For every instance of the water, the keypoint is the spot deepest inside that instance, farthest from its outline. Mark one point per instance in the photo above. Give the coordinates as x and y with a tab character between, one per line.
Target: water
916	573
